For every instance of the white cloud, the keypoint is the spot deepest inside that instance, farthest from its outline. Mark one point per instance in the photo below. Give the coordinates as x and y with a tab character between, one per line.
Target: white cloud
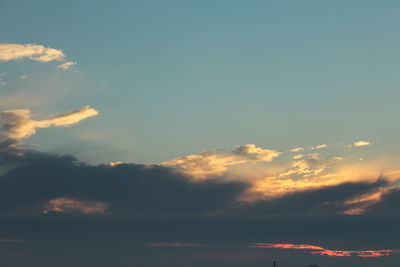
33	52
17	124
30	51
66	65
360	143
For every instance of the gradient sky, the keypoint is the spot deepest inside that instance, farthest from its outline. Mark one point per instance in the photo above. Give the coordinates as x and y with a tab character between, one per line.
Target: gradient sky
214	96
176	77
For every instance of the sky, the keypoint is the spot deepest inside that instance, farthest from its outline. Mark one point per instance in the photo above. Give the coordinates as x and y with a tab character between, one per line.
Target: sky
199	133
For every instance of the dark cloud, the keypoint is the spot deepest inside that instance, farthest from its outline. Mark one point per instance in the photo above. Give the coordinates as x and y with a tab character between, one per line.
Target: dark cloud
389	204
127	188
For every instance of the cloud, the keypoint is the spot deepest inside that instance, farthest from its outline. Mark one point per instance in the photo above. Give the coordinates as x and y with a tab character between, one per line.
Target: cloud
73	206
309	172
361	203
255	153
17	124
270	178
360	143
332	253
34	52
22	77
66	65
114	163
215	162
297	149
386	201
299	156
320	146
52	184
46	183
320	200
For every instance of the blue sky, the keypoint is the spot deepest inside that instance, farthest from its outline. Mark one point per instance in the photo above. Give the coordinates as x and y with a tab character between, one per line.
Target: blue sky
176	77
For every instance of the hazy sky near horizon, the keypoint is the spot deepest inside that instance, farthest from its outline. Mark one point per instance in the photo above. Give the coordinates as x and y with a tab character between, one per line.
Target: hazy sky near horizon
199	133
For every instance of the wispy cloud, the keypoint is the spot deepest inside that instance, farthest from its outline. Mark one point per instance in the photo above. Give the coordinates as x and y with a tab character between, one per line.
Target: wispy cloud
17	124
297	149
74	206
320	146
332	253
35	52
22	77
66	65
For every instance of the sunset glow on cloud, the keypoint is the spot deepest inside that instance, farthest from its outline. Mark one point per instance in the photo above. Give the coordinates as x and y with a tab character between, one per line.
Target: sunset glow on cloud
270	178
31	51
360	143
332	253
18	125
215	162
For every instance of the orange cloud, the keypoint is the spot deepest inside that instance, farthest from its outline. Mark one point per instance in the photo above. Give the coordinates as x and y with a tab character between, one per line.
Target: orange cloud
211	163
359	204
358	253
332	253
285	246
269	178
